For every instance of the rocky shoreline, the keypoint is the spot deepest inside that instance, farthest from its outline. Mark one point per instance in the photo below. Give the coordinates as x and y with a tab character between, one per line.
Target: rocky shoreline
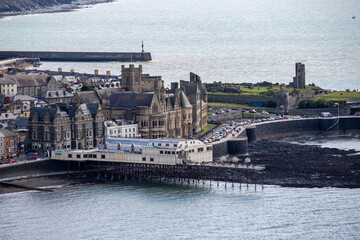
294	165
27	7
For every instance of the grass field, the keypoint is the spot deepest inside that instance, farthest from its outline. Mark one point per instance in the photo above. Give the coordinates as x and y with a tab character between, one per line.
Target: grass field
340	96
229	105
251	116
264	91
207	128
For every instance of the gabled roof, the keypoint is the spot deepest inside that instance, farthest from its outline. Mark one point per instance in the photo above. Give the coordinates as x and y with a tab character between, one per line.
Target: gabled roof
131	99
6	133
21	121
88	97
42	111
29	80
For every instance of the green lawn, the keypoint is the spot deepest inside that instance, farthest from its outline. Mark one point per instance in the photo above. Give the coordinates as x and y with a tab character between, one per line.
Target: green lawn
229	105
340	96
251	115
264	91
207	128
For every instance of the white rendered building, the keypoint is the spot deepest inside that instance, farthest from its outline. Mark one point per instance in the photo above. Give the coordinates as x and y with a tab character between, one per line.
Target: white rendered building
150	151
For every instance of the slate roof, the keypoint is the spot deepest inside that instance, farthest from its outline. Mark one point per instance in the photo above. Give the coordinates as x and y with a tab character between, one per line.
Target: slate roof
7	81
28	80
57	94
41	111
21	121
6	133
89	97
131	99
71	110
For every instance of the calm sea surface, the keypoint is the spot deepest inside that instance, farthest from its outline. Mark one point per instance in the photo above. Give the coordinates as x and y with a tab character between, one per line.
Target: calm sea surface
141	211
232	41
229	41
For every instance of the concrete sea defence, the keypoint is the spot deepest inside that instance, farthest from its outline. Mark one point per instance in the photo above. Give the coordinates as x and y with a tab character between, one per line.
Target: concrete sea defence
286	128
79	56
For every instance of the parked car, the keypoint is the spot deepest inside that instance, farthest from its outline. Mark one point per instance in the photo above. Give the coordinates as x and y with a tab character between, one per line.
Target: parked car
357	114
252	111
326	114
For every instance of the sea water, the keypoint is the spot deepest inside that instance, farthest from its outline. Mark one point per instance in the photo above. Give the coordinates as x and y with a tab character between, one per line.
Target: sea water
161	211
229	41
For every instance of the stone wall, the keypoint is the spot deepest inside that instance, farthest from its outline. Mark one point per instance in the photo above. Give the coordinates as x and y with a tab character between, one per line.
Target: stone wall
220	149
33	168
238	99
317	111
277	129
79	56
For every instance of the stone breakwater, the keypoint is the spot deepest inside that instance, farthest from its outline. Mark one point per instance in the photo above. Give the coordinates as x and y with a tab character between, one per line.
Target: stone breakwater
79	56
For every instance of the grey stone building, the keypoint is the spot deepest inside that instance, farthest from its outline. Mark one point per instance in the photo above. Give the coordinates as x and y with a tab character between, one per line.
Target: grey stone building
299	79
34	85
198	97
66	127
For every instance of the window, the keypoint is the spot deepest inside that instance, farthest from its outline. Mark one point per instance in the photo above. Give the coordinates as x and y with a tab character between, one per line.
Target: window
161	152
78	156
173	152
69	155
85	156
151	159
167	144
159	144
94	156
144	158
200	149
103	156
175	145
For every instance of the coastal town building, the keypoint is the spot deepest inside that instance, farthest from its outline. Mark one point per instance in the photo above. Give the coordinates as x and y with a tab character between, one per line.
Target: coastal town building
160	113
34	85
8	86
120	129
149	151
8	143
66	127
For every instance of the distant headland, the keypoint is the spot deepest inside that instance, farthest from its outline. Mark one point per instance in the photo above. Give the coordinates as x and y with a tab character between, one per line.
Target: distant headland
26	7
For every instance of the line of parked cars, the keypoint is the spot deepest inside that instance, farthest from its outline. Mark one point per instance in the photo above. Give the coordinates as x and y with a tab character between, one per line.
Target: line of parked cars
226	129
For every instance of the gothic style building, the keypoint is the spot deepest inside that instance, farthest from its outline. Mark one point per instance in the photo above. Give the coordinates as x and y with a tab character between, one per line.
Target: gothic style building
66	127
160	113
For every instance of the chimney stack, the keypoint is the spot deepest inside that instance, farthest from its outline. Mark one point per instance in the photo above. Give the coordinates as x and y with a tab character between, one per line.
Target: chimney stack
108	73
96	72
72	71
59	70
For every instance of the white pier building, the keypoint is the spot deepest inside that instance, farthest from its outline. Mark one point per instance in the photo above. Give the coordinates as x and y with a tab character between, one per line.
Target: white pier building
150	151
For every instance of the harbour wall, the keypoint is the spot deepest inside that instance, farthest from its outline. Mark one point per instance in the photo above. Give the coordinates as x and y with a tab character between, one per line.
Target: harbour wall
283	128
80	56
32	168
287	128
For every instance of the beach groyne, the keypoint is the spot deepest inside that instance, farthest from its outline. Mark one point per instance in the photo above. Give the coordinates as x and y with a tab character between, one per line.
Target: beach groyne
79	56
